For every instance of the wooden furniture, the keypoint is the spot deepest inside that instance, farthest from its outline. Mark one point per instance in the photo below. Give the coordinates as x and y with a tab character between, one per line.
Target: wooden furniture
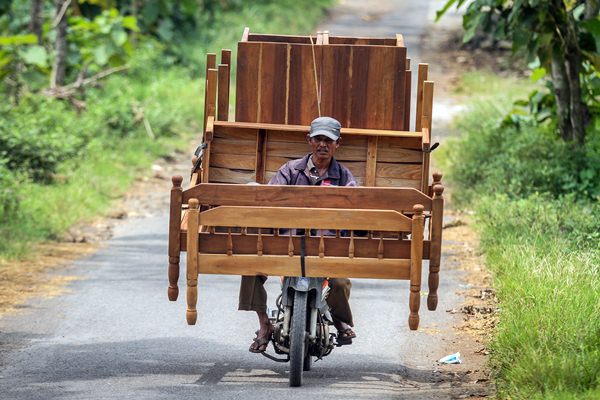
227	226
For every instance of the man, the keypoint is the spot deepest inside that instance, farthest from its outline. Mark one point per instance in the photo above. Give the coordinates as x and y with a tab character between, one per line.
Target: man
317	168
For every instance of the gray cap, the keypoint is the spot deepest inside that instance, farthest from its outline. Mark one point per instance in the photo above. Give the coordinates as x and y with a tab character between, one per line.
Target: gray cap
326	126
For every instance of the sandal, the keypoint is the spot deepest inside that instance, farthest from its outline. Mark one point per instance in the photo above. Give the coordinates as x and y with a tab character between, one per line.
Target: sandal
345	336
259	344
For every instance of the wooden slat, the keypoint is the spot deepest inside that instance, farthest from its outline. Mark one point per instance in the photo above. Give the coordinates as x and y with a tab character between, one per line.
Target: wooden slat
224	175
211	93
226	57
305	129
261	155
234	133
364	41
245	35
337	247
371	164
192	263
272	82
208	136
225	146
397	154
314	218
335	90
211	62
377	87
260	37
397	183
223	96
401	86
407	98
398	199
421	77
246	92
334	267
302	103
399	171
233	161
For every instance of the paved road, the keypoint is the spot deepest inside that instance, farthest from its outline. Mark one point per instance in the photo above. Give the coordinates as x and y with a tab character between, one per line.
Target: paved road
115	335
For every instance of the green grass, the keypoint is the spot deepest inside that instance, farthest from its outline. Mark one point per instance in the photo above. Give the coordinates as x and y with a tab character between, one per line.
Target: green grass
109	145
541	241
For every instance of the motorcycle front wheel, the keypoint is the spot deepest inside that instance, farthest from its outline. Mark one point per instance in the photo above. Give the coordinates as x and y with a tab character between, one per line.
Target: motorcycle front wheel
298	338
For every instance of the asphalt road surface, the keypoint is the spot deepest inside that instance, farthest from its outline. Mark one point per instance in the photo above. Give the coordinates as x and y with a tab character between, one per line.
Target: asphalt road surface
114	334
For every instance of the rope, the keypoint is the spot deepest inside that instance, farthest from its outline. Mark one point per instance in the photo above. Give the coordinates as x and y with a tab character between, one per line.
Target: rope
315	69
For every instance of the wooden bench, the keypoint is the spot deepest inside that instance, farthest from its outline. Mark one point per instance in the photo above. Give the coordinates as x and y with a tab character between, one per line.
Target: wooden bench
229	227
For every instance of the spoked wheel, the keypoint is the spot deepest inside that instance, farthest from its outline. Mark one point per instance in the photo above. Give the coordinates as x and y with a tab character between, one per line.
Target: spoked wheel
298	348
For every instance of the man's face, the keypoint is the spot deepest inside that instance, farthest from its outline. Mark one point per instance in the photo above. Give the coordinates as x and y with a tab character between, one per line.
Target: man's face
323	148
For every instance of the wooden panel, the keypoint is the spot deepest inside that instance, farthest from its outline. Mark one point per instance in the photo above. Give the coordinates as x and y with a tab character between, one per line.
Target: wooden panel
235	133
272	82
308	196
246	92
399	171
412	143
333	267
421	77
228	146
398	154
233	161
397	183
358	169
287	149
224	175
362	41
223	99
335	90
259	37
407	98
261	155
371	161
337	247
377	87
302	99
314	218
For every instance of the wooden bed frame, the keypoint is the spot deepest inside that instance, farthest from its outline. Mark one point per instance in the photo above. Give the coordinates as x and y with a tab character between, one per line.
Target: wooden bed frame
228	226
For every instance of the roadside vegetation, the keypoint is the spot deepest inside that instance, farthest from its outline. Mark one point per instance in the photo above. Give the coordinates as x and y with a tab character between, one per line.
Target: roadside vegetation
533	180
94	91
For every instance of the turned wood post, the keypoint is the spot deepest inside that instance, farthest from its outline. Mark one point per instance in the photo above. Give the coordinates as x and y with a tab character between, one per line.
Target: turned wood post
174	237
192	262
416	258
435	251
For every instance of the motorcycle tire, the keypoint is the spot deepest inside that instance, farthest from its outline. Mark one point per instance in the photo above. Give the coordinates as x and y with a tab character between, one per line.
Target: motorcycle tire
298	338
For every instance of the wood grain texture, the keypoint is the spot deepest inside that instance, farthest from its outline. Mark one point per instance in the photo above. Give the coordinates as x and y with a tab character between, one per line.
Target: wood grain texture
416	259
223	93
335	77
334	267
313	218
302	100
174	237
364	41
407	97
246	88
437	215
272	78
399	199
192	263
371	164
421	77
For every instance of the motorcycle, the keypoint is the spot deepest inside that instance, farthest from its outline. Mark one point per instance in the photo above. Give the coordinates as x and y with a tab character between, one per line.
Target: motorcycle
301	322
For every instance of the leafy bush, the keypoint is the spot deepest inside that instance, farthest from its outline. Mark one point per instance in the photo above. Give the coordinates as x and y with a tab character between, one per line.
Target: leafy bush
37	135
490	158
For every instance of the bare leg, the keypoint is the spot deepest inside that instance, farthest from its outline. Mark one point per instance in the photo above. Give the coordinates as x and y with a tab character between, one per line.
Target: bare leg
264	333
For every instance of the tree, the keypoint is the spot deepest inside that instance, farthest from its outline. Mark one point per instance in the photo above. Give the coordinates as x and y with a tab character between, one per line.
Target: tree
563	35
60	61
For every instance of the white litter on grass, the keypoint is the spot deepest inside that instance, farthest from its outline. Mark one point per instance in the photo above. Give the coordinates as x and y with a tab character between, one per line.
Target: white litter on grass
451	359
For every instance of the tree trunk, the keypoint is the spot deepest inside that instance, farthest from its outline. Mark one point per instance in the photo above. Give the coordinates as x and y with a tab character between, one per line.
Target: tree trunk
35	21
562	95
579	111
592	7
59	68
